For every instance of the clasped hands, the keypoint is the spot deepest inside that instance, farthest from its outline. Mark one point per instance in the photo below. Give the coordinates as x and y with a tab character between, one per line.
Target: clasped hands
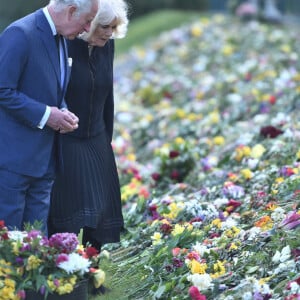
62	120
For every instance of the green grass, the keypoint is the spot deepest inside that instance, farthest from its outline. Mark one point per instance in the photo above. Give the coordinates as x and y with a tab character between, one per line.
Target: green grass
151	25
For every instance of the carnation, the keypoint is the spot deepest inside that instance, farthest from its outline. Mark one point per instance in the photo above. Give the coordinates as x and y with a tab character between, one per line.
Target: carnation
75	263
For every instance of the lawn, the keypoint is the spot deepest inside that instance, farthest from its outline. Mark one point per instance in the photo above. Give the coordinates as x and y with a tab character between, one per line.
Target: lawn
151	25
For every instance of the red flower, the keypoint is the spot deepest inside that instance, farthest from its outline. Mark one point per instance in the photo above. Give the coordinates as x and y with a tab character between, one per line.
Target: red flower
214	235
91	252
174	175
270	132
2	224
155	176
232	205
195	294
166	228
272	99
173	154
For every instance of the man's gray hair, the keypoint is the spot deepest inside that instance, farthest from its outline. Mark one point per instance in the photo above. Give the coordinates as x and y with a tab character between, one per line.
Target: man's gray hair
83	6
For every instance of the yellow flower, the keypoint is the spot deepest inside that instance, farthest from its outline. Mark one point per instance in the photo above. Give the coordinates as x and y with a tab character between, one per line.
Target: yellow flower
286	48
131	157
271	206
179	140
233	246
228	50
219	140
4	267
279	179
33	262
98	278
174	209
232	232
241	152
149	117
193	117
196	30
214	117
197	267
178	229
156	238
217	223
180	113
257	151
65	288
246	173
219	269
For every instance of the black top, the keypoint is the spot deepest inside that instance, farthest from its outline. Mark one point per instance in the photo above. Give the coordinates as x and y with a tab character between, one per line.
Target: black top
90	91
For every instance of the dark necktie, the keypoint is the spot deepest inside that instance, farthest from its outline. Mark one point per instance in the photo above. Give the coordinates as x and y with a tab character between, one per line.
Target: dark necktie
57	38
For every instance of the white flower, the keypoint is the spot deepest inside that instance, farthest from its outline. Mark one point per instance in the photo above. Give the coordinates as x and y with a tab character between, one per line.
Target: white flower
252	163
295	287
17	235
247	296
201	281
253	233
229	223
220	202
70	61
200	248
282	256
75	263
278	214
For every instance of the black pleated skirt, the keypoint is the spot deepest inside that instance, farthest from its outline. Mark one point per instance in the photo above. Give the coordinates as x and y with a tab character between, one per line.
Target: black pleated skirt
87	192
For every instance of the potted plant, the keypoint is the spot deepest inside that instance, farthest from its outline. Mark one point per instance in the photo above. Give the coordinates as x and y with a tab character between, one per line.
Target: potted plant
35	267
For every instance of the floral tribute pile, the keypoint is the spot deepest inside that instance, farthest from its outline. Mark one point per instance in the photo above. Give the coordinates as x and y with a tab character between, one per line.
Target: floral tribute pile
208	148
31	262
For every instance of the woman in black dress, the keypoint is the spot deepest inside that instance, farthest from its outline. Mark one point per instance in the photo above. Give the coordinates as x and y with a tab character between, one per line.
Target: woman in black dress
86	194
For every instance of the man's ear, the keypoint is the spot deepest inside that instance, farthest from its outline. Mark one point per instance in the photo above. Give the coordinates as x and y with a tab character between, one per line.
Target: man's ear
71	11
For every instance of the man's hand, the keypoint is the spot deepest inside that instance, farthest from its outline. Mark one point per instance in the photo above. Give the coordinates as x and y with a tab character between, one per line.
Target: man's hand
62	120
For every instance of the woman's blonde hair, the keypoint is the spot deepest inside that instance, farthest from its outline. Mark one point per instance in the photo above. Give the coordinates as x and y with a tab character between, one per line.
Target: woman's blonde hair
108	11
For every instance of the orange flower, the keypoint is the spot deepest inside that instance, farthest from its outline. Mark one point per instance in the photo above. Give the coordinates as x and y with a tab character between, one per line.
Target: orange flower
264	223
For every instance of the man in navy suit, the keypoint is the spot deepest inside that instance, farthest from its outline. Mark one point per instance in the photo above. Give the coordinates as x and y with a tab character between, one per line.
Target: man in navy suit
33	79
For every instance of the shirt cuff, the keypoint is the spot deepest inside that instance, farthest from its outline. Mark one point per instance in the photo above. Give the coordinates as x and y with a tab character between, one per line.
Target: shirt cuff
45	118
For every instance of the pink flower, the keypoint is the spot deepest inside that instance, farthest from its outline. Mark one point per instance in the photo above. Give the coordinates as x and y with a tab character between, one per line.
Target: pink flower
21	294
176	251
61	258
195	294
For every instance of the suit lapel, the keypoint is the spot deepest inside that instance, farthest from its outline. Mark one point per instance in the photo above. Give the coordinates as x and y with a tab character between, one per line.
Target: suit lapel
48	41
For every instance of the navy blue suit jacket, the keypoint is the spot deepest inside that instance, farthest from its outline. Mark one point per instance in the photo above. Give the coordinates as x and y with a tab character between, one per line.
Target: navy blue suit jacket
29	80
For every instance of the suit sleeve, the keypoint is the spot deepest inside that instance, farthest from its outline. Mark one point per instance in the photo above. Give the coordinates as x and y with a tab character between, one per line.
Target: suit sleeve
14	51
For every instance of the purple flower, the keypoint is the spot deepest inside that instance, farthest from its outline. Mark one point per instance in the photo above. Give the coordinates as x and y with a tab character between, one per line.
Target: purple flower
33	234
177	263
42	290
19	260
292	220
64	242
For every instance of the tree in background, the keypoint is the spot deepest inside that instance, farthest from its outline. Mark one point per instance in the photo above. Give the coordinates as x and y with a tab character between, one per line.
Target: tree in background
11	10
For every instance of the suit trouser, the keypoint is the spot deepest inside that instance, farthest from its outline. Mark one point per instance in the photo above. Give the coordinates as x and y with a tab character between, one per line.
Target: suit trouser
24	199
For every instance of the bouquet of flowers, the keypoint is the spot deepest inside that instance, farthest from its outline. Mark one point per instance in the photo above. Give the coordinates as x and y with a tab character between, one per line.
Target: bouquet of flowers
30	261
